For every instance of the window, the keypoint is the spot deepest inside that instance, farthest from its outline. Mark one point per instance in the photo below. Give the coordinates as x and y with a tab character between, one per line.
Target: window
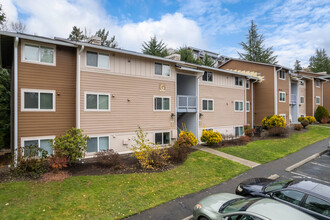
284	116
247	84
290	196
239	131
282	74
302	115
302	99
98	144
207	105
38	100
42	142
318	100
162	69
208	76
97	101
238	81
282	96
247	106
241	217
317	83
39	54
302	83
97	60
162	138
317	205
162	104
238	106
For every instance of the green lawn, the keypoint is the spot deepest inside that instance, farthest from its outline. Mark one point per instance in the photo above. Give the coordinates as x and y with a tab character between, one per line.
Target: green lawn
113	196
264	151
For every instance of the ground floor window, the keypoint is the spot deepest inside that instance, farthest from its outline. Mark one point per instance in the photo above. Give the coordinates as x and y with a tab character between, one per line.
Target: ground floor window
284	116
161	103
318	100
162	138
239	131
43	143
98	144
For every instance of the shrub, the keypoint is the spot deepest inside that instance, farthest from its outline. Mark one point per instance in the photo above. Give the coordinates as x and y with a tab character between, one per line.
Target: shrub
57	162
298	127
211	137
71	145
149	155
325	120
109	158
245	139
273	121
310	119
189	136
180	150
249	131
304	123
321	113
277	132
300	119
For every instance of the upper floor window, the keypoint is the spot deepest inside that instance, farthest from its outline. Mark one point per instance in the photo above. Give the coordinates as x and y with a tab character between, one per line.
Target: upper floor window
238	106
208	76
207	105
162	69
302	99
282	96
97	102
238	81
247	106
282	74
161	103
317	83
318	100
97	60
39	54
247	84
38	100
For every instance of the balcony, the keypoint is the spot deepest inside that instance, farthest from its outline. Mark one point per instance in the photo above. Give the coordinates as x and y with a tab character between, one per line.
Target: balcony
186	103
293	100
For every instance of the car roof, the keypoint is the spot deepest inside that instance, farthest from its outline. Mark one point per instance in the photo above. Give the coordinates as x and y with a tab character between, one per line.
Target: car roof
312	188
276	210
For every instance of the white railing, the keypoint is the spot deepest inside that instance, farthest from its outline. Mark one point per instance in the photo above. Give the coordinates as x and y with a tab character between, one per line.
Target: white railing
186	103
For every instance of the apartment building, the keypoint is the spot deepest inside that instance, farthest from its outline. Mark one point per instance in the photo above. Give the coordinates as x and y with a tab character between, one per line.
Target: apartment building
59	84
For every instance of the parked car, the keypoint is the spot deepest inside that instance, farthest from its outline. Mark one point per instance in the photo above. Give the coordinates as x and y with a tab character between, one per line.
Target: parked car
227	206
305	195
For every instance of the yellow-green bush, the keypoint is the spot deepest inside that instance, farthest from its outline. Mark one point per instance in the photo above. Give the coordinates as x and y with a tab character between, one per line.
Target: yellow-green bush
310	119
273	121
211	137
191	137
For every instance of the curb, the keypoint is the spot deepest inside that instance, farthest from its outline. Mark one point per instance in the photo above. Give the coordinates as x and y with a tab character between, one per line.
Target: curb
300	163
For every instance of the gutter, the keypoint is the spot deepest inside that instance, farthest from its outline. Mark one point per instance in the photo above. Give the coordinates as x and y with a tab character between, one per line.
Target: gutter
15	101
78	87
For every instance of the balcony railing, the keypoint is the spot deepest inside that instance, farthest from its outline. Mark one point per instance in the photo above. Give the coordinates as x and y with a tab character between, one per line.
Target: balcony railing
293	99
186	103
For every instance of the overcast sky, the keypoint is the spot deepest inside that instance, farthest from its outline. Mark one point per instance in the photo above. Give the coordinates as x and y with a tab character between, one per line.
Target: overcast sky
294	28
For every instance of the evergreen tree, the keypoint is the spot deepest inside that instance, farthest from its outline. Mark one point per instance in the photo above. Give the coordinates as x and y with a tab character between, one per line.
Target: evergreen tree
297	65
104	38
4	108
2	16
320	62
254	48
155	47
207	61
187	55
76	34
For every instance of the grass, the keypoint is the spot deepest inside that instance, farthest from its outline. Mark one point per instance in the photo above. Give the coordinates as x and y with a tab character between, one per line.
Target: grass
264	151
113	196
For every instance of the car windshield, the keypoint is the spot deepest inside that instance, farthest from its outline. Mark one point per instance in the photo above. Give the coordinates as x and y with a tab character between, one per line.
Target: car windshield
277	185
237	205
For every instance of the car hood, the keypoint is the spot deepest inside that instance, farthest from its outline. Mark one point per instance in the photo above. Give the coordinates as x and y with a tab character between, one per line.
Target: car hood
256	184
215	201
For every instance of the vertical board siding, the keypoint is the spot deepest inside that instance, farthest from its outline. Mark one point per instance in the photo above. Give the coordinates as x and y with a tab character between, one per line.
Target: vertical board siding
302	92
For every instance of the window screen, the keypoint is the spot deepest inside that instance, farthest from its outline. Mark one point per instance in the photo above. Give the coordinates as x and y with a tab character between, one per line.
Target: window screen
92	59
31	100
46	101
31	53
92	145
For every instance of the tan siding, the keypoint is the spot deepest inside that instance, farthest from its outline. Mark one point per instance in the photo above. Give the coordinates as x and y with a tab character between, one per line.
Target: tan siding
326	95
309	98
302	92
283	86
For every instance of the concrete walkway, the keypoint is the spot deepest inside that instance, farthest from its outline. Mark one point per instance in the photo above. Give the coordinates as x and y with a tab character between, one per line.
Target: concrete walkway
247	163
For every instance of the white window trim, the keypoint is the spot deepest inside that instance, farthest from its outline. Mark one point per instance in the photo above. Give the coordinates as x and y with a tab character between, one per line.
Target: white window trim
247	105
318	97
302	115
153	103
97	102
319	81
38	45
239	78
98	143
235	105
279	75
279	97
284	116
162	69
38	138
207	105
98	64
23	109
247	82
240	126
207	80
167	131
303	101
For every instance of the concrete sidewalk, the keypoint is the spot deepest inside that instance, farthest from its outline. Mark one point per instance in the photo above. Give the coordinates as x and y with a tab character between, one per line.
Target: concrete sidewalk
181	208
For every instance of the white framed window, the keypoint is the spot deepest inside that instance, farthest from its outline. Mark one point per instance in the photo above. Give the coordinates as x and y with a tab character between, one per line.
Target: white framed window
302	99
208	105
317	83
98	144
238	81
302	115
281	75
97	101
282	96
284	116
162	103
247	106
35	53
37	100
238	106
318	100
302	83
238	131
248	84
162	138
207	76
162	69
99	60
41	142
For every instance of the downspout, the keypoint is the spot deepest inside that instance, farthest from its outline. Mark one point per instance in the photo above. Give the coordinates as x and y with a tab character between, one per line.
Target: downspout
275	90
15	101
322	92
78	87
197	116
252	103
245	113
313	105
